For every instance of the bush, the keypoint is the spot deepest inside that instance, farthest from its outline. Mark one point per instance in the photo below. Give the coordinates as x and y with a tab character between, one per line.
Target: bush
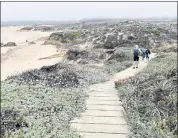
150	99
88	55
115	67
166	48
58	75
61	75
10	44
45	111
11	121
92	75
74	54
76	34
121	54
156	32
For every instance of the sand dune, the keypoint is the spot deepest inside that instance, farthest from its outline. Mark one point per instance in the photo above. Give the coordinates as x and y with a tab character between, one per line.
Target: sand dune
12	34
24	57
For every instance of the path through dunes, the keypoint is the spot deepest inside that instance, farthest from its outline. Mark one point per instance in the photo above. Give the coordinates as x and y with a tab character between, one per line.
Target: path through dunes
104	117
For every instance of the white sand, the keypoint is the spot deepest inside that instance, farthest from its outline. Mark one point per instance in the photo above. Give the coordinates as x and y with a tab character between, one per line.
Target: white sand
24	57
5	49
10	34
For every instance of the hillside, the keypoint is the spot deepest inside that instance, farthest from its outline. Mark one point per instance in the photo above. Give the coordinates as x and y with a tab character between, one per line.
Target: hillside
45	84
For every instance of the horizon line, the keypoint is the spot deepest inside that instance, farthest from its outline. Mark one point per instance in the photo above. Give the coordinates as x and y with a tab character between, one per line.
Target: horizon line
94	18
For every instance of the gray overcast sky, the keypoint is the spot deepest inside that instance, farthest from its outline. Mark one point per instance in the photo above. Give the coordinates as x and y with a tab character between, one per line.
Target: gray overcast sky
14	11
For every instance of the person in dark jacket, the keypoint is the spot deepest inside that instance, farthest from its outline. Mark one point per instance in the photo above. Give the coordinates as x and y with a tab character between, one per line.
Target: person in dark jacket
147	53
136	54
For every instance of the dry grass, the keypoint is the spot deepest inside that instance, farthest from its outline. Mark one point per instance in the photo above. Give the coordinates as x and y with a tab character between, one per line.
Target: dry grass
150	99
122	81
166	48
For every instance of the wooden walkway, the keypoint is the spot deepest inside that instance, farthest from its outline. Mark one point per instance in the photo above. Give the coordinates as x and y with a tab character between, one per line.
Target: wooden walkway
104	117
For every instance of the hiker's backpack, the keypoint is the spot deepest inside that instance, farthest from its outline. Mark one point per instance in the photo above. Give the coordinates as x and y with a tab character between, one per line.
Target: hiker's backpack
136	52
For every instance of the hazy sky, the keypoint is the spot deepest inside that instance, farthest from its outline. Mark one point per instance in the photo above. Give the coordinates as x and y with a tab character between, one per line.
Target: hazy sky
13	11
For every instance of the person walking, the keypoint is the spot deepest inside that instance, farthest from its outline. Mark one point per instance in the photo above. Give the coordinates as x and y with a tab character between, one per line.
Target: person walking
136	53
143	53
147	54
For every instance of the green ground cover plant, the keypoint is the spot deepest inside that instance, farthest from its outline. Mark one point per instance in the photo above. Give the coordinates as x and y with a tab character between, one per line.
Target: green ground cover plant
150	99
36	111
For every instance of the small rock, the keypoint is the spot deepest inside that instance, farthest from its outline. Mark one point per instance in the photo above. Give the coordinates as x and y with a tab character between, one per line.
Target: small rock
31	43
11	44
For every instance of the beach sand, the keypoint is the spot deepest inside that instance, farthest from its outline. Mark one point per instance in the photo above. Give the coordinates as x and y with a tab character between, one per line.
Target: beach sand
24	56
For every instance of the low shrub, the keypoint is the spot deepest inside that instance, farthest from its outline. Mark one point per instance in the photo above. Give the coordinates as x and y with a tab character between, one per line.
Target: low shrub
150	99
61	75
166	48
156	32
115	66
76	34
92	75
41	111
58	75
121	54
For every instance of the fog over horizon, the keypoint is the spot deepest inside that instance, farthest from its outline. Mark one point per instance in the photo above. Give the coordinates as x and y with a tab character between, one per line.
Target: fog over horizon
61	11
